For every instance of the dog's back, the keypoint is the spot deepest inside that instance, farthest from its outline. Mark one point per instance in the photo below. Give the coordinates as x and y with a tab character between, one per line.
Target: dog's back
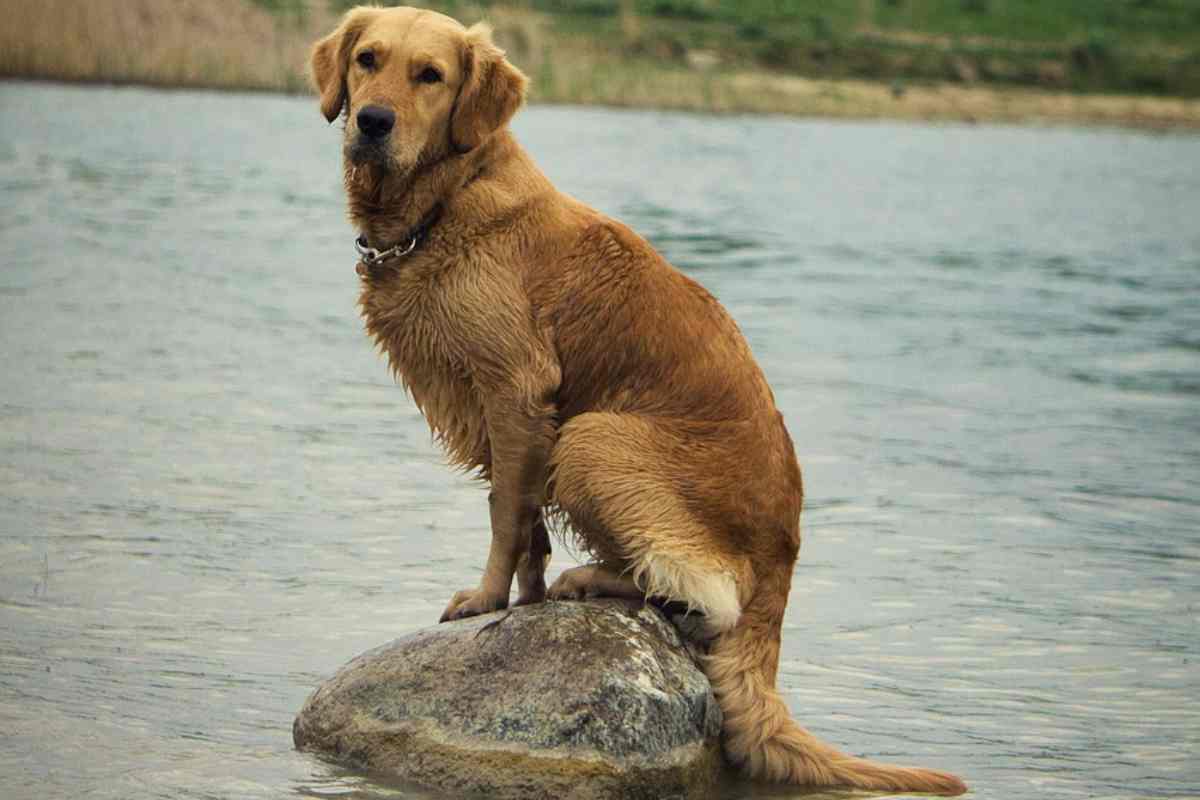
636	335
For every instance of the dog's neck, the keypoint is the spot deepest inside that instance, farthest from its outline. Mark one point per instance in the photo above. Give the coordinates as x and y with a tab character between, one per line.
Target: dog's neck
386	207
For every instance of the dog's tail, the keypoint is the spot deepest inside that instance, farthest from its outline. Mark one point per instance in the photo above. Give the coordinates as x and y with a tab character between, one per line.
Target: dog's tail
759	733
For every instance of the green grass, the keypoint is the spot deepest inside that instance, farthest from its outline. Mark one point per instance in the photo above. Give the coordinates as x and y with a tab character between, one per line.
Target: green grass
1139	46
1138	21
1129	22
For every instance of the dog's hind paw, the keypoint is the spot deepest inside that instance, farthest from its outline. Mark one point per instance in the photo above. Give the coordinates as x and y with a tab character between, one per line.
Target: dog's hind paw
592	580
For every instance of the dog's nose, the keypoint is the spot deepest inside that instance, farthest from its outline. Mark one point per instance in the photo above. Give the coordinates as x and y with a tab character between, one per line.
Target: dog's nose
375	122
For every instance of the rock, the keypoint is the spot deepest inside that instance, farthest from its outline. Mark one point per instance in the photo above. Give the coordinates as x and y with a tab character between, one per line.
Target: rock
592	700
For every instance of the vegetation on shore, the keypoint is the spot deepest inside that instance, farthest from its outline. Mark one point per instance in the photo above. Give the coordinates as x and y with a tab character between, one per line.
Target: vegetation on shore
1129	62
1113	46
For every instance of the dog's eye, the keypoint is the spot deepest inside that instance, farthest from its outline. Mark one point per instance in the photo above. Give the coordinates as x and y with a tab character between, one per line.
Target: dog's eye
429	75
367	59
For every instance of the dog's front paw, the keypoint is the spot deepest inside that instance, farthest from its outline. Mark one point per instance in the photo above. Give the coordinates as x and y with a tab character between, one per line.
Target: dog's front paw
472	603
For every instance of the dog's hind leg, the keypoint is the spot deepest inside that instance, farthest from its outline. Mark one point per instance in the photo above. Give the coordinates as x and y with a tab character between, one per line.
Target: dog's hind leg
667	501
610	478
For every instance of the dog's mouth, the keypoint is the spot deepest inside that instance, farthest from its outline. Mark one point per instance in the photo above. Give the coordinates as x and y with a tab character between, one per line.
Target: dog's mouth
363	151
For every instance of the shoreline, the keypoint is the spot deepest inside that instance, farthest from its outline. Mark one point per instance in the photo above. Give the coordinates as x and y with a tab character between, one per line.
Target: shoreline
806	98
236	45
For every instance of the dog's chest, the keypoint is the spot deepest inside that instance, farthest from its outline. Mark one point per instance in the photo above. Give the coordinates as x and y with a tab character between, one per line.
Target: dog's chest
413	326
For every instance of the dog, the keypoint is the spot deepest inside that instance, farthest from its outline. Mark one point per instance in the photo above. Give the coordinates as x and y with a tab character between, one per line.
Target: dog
556	354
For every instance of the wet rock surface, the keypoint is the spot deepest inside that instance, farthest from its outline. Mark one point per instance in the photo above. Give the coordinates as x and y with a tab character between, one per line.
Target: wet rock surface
600	699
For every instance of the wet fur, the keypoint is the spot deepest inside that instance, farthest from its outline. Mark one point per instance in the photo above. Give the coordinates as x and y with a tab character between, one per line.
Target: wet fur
556	354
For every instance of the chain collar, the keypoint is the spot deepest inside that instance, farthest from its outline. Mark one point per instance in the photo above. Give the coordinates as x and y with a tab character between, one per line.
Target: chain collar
370	257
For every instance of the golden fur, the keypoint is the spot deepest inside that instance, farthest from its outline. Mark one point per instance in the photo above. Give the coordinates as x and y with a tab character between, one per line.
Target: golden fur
553	351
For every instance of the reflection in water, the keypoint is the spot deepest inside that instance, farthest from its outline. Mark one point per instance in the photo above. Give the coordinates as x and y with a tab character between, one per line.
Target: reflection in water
212	495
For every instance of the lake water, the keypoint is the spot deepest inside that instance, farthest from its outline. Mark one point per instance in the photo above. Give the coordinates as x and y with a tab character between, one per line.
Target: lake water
985	340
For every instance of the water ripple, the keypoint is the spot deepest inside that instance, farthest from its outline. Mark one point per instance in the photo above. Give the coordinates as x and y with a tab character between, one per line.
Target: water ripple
212	494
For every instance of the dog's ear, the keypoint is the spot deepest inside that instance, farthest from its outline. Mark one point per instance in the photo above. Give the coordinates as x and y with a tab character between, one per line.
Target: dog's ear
331	58
492	90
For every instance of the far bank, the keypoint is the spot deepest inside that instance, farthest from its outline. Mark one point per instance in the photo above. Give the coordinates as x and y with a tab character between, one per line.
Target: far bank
234	44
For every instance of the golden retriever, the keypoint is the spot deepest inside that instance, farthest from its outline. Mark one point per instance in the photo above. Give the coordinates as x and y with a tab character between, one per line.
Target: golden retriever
553	351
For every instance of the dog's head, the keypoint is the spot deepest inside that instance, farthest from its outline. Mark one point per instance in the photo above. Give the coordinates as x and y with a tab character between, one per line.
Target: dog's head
416	86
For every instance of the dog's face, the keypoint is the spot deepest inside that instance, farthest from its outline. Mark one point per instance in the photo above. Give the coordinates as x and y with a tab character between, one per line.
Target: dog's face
416	86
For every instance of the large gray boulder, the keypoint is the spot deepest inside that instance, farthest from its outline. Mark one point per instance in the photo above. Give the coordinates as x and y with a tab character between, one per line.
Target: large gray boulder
593	700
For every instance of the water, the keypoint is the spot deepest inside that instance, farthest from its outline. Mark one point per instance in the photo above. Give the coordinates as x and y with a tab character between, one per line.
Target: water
986	342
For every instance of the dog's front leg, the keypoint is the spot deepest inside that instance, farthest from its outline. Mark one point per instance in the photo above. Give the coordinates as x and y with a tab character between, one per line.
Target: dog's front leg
521	435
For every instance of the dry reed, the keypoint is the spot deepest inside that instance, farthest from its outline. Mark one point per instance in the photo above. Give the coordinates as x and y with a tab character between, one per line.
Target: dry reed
197	43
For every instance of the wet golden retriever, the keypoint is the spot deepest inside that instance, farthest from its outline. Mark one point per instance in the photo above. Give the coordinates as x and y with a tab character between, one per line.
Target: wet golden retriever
552	350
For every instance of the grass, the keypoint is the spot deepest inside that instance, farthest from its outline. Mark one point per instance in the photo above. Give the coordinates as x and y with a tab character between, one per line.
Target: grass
1138	46
912	59
1137	23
